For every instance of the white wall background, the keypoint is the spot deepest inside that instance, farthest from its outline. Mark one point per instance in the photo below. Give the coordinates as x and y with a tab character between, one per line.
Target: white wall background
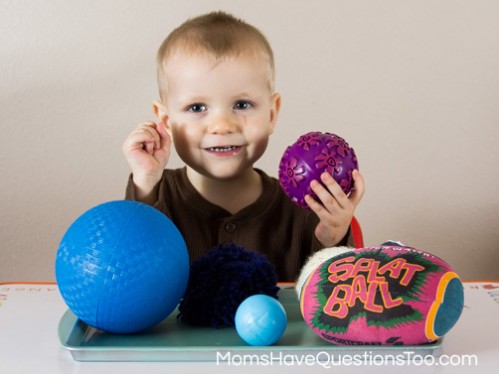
412	85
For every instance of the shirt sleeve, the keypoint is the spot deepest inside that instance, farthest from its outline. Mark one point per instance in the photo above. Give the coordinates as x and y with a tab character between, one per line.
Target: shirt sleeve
131	193
130	189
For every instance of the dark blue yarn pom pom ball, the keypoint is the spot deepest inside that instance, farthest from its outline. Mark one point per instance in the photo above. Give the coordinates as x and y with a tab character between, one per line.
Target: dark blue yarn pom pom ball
221	280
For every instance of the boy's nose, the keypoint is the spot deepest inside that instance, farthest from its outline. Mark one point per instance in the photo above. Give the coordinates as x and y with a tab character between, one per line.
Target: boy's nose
222	125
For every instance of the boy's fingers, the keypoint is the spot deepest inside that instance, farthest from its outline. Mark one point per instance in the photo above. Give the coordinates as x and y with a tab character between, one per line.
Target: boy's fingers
152	129
317	208
161	128
359	188
149	147
324	196
164	135
138	139
334	188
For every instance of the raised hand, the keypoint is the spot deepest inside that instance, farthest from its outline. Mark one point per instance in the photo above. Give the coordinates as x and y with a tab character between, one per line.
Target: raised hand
147	151
335	209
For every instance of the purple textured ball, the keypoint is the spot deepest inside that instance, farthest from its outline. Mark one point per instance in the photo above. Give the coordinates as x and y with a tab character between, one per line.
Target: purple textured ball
310	156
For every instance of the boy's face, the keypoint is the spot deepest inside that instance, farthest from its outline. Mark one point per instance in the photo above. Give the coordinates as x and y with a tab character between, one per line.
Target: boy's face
220	113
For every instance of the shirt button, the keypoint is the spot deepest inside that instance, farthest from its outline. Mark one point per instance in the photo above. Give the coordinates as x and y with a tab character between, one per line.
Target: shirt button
230	227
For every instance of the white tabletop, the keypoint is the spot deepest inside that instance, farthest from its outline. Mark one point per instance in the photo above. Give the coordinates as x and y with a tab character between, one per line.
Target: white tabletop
30	314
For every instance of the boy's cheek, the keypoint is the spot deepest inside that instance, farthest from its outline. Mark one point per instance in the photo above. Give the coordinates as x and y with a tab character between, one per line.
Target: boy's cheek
174	124
181	135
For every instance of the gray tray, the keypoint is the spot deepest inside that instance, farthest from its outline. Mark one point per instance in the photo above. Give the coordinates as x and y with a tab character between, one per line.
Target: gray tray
172	340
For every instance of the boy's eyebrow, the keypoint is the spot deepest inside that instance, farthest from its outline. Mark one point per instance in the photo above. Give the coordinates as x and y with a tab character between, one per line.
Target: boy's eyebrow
203	98
242	94
191	99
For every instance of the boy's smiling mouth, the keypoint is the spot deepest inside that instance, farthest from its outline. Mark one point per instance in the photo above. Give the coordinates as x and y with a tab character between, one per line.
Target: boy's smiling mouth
227	150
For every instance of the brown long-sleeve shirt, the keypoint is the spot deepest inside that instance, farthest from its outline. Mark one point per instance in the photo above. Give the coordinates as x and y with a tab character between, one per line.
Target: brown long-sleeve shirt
272	225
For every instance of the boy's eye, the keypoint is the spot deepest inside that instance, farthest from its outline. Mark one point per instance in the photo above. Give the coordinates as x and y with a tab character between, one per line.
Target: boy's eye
242	105
197	108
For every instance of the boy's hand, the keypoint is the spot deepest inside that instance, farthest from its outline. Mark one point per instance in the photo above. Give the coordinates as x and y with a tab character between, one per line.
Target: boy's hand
147	150
336	211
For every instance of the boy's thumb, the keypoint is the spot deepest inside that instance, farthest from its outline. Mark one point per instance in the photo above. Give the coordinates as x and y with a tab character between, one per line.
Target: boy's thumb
164	134
161	127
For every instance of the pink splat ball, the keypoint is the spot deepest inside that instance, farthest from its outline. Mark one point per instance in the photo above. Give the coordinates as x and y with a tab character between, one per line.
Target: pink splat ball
386	295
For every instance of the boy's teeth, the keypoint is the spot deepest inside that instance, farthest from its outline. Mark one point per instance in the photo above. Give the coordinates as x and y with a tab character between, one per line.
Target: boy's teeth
223	149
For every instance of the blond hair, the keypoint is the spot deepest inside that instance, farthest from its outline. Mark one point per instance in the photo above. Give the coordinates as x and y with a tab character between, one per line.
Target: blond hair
218	34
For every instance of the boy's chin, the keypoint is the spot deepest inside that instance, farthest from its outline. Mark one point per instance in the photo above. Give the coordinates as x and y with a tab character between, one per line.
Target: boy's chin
225	173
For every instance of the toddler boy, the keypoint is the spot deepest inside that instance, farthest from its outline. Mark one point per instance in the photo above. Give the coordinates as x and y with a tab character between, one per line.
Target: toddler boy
218	107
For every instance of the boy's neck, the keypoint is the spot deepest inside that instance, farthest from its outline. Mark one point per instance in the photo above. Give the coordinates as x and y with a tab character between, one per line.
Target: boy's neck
231	195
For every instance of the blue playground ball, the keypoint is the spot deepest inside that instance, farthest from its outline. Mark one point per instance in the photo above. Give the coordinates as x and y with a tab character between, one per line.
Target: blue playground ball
122	267
260	320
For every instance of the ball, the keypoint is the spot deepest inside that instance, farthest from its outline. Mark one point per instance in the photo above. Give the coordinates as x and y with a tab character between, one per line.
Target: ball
221	280
386	295
260	320
311	155
122	267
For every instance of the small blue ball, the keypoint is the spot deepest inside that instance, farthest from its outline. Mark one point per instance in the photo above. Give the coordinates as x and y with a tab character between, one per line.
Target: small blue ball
260	320
122	267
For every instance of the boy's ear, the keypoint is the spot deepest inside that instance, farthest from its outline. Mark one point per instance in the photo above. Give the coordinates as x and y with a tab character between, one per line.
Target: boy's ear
275	107
161	114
